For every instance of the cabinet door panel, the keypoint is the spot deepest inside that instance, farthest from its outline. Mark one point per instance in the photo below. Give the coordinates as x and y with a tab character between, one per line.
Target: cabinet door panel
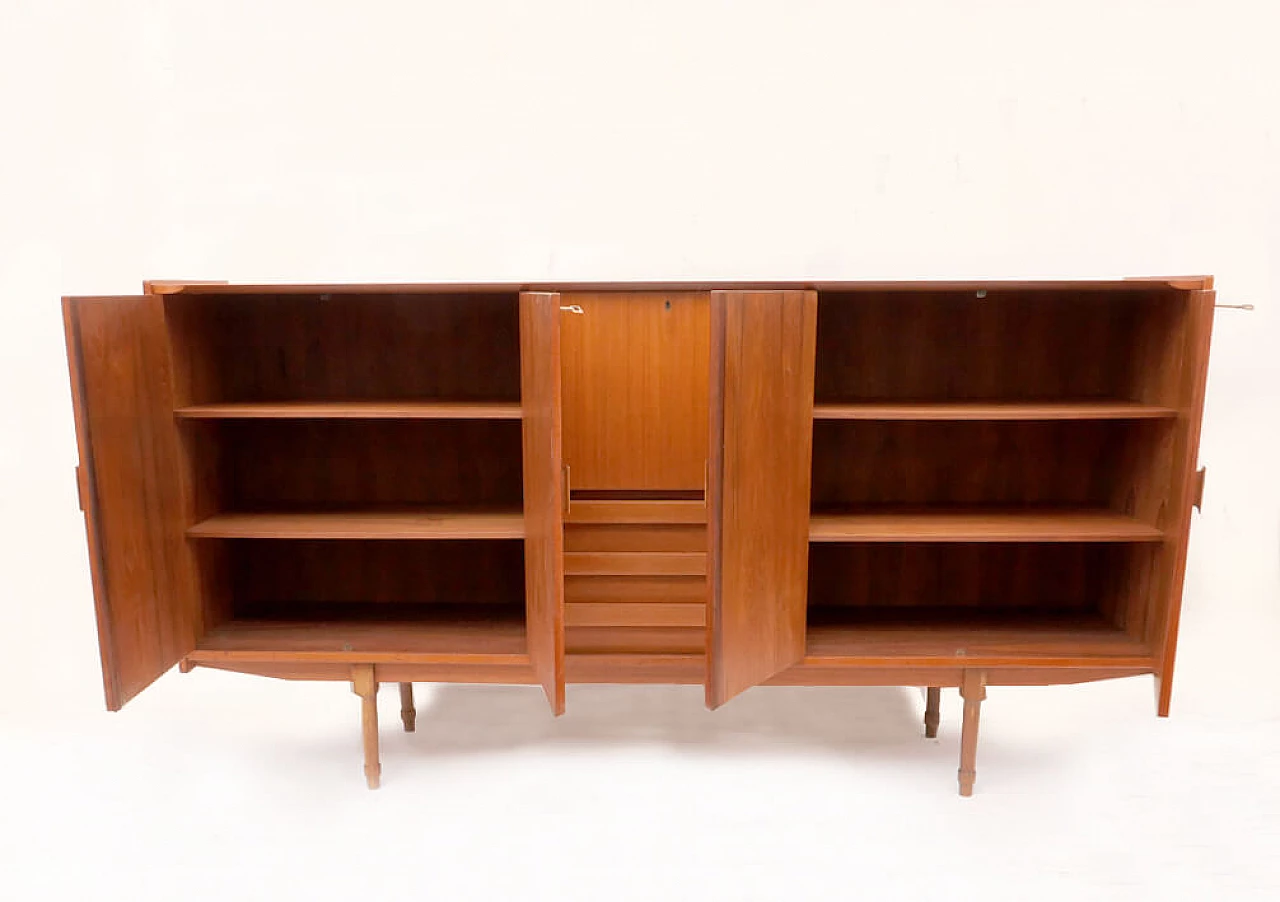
762	353
543	489
131	489
1189	391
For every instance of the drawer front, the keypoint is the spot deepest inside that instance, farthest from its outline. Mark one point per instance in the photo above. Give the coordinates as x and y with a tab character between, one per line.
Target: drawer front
634	640
668	512
635	614
634	538
630	589
631	563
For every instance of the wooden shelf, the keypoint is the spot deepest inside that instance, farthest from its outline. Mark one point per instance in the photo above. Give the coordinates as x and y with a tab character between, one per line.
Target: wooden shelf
434	523
354	410
979	526
989	637
967	410
400	631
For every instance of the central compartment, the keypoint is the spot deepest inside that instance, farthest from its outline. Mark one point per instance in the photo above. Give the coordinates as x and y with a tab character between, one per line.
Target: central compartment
636	379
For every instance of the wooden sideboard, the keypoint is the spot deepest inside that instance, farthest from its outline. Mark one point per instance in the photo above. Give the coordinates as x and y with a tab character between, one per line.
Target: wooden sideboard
945	484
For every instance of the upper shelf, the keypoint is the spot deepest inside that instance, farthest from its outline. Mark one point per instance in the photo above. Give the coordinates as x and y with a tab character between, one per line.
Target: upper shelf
969	410
354	410
980	526
416	524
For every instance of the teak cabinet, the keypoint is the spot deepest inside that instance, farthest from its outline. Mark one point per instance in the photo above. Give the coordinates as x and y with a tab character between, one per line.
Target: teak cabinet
920	484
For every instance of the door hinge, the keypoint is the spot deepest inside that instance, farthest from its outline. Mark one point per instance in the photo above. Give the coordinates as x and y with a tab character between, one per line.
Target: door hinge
1198	494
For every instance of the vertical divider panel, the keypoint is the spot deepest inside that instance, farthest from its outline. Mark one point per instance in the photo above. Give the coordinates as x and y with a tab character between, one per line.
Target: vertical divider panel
543	489
1191	378
762	375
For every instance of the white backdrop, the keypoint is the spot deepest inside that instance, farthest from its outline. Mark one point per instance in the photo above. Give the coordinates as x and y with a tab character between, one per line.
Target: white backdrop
310	141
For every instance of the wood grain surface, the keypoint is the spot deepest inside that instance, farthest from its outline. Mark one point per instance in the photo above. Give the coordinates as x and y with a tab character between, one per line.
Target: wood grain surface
762	363
635	390
145	585
353	410
980	526
440	523
543	490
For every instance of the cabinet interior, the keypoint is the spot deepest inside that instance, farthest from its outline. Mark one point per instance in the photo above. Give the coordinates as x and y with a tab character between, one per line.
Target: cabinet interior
1117	466
991	467
356	465
954	593
346	464
1002	345
345	347
982	461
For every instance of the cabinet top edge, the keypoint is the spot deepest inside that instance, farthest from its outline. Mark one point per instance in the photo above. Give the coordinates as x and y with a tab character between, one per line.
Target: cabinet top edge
1137	283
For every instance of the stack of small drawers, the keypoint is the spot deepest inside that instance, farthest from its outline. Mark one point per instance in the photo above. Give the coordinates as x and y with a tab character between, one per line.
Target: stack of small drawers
635	577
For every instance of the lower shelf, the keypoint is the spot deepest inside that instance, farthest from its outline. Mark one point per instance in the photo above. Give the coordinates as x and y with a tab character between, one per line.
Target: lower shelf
965	635
485	634
448	630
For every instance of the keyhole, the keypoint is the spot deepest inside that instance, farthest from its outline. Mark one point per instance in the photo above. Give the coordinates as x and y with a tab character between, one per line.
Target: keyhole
668	305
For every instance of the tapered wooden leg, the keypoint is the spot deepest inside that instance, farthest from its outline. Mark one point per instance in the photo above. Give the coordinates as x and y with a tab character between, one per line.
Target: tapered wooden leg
932	704
973	689
365	685
1164	693
408	713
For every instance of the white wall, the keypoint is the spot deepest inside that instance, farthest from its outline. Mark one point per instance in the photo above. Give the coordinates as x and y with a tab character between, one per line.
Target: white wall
297	141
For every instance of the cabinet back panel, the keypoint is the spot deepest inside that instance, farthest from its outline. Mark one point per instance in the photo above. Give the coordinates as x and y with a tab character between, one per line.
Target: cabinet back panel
268	576
1010	345
1066	577
271	465
345	347
1068	463
636	390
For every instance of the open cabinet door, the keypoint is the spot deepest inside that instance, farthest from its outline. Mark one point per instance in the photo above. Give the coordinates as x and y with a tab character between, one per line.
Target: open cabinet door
1189	392
543	489
762	352
131	489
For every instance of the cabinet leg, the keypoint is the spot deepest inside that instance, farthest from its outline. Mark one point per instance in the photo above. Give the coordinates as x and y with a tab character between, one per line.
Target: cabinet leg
1164	693
408	713
932	704
365	685
973	689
